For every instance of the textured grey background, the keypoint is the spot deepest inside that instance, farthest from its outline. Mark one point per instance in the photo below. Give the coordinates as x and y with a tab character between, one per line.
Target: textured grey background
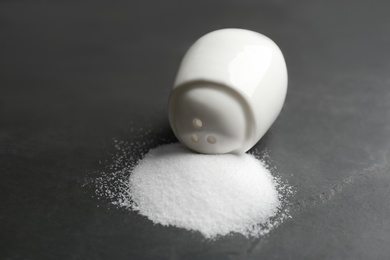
76	74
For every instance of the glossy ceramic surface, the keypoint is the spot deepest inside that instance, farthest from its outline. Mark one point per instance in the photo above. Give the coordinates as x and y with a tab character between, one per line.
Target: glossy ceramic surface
236	81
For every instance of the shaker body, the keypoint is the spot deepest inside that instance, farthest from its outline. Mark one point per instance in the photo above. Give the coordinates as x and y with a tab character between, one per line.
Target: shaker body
230	88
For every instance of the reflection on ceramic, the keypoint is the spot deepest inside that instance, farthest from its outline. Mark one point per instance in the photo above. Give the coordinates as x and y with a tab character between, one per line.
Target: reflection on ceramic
230	87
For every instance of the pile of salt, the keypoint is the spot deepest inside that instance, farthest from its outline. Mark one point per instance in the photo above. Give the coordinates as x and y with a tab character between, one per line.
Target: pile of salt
213	194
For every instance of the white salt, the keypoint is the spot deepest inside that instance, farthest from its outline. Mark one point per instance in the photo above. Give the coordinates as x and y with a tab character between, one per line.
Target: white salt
212	194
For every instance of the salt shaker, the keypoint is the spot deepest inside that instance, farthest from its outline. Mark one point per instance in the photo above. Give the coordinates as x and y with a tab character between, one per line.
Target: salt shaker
229	89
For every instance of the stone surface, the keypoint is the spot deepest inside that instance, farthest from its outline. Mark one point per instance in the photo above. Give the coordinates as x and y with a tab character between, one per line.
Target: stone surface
76	74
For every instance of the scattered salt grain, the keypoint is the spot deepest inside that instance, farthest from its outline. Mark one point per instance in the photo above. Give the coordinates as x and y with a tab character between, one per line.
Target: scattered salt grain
213	194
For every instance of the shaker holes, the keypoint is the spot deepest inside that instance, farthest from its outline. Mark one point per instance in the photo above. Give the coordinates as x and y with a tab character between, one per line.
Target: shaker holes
194	138
197	123
211	139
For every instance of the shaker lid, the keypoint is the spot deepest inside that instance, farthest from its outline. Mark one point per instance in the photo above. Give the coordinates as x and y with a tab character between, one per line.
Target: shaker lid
210	119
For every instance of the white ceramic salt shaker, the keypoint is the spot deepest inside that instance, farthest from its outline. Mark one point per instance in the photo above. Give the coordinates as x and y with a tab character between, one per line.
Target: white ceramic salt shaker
230	87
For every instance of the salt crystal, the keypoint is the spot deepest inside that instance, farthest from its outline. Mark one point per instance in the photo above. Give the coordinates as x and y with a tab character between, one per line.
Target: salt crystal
212	194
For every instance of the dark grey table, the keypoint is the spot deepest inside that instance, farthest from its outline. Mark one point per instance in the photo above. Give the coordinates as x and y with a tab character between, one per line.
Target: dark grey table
74	75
